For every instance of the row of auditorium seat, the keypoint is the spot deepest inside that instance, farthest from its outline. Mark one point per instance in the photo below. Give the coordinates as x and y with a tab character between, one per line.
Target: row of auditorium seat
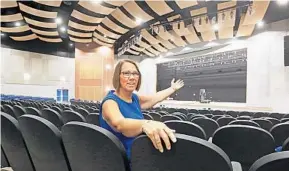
247	135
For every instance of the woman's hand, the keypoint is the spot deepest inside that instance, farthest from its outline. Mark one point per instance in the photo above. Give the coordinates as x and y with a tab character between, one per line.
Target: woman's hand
177	85
157	131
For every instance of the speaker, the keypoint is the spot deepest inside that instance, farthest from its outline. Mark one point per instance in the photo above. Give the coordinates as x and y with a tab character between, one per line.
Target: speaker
286	50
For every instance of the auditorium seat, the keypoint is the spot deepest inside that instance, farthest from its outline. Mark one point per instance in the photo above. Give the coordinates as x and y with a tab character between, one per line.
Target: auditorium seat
244	117
276	115
204	112
225	121
245	113
44	143
286	116
193	111
217	112
272	162
68	108
209	115
187	128
4	161
273	120
90	147
244	144
280	133
189	153
285	146
57	109
53	116
169	118
32	111
13	144
284	120
2	109
197	116
216	117
83	112
208	125
148	117
160	112
68	116
184	111
244	122
181	115
233	113
9	110
93	118
260	115
156	116
265	124
18	111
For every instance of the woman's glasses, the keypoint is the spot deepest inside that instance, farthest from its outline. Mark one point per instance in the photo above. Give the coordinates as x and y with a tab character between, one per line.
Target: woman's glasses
127	74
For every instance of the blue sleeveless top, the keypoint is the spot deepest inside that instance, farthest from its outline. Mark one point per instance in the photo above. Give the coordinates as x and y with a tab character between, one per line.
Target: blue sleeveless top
128	110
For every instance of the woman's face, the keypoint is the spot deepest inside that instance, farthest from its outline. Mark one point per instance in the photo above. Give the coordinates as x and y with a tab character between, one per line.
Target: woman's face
129	77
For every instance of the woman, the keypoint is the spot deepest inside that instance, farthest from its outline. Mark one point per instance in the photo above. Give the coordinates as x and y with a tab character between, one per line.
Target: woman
120	110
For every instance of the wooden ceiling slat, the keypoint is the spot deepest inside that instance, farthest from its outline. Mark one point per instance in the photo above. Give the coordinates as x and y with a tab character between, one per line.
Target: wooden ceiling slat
24	38
54	3
143	44
84	17
166	43
80	26
96	7
198	11
102	43
185	4
107	33
15	29
163	33
54	40
40	24
37	12
78	34
121	17
105	39
225	5
179	27
176	39
208	35
46	33
8	4
192	38
116	3
226	33
226	24
244	30
135	48
160	7
11	18
110	24
133	52
149	37
259	8
148	53
136	11
160	48
80	40
150	49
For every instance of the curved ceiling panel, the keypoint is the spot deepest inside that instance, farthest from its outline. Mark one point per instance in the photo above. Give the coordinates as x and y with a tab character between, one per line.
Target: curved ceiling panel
24	38
54	3
145	34
186	4
124	19
52	40
159	48
80	26
8	4
133	52
159	7
96	7
79	34
80	40
116	3
11	18
105	39
148	53
15	29
40	24
137	12
110	24
102	43
84	17
107	33
36	12
139	49
45	33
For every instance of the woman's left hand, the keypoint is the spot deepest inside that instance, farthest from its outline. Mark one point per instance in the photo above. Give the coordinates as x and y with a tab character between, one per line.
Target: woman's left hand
177	85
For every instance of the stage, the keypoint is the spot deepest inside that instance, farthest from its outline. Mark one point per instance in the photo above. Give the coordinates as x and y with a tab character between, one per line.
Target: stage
213	106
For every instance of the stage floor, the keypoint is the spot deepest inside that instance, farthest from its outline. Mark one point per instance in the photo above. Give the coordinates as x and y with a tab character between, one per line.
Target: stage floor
213	106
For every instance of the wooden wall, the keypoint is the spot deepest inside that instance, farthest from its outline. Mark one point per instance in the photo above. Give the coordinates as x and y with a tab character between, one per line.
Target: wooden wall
93	71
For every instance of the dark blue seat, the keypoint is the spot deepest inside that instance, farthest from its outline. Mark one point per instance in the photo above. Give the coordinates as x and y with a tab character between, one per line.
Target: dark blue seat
280	133
93	118
32	111
43	143
9	110
225	121
90	147
18	111
13	144
244	122
68	116
265	124
189	153
52	116
208	125
169	118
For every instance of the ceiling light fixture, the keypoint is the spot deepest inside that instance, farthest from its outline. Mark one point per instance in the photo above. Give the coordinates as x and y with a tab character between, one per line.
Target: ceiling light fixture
260	24
138	21
282	2
17	24
58	20
63	29
216	27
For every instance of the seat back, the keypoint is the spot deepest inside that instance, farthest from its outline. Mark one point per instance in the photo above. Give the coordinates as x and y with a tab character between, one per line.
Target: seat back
189	153
273	120
208	125
83	112
57	109
18	111
260	115
68	116
44	143
32	111
276	115
272	162
244	144
4	161
285	146
216	117
244	122
284	120
170	118
93	118
217	112
9	110
233	113
187	128
52	116
244	117
280	133
101	150
147	116
245	113
13	144
225	121
265	124
156	116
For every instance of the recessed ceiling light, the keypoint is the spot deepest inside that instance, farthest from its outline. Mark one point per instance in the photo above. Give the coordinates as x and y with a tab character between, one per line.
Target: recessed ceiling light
104	36
70	44
63	29
17	24
282	2
58	20
216	27
260	24
138	21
